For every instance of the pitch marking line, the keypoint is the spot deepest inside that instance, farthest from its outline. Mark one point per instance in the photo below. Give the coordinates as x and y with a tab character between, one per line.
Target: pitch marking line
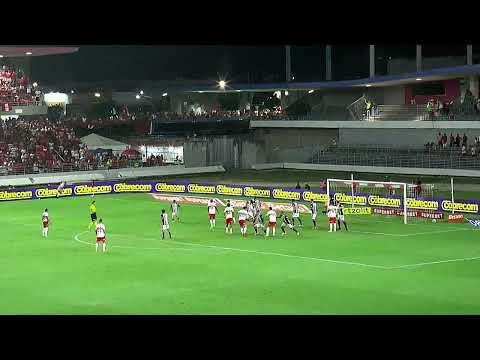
412	234
76	238
433	263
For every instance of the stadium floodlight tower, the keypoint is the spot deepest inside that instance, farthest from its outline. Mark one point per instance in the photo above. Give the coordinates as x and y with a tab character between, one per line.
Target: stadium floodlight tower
348	188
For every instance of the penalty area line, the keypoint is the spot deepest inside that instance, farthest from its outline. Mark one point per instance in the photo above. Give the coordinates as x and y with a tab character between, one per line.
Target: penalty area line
433	263
285	255
77	238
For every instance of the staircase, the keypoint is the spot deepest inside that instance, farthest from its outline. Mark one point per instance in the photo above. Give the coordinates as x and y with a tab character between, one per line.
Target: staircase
400	112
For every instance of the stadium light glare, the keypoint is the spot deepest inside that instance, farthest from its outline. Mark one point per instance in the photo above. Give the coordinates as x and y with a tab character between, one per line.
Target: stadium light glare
97	95
1	56
141	92
286	93
310	91
137	96
165	94
418	79
73	92
28	53
222	84
368	85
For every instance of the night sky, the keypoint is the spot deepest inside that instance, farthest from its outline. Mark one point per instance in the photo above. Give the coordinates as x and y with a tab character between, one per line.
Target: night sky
237	63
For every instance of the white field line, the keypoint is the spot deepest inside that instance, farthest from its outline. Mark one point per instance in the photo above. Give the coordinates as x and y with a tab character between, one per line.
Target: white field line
432	263
412	234
76	238
284	255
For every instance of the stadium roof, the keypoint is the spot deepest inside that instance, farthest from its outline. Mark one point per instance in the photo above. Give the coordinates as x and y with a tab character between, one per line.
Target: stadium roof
34	50
379	81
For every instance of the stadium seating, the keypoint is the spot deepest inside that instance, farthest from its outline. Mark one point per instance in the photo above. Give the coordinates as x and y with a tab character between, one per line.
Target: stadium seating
389	157
15	90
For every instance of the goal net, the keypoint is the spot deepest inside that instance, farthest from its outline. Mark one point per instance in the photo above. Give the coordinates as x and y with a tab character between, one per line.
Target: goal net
409	201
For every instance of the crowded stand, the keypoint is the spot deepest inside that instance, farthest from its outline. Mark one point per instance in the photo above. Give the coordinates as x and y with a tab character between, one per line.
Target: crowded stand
264	114
15	89
42	145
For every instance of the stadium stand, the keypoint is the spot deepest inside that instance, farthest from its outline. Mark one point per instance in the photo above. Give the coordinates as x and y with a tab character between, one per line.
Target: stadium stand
431	157
15	89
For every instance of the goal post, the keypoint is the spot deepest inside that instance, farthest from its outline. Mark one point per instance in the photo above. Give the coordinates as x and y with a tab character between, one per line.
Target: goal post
348	188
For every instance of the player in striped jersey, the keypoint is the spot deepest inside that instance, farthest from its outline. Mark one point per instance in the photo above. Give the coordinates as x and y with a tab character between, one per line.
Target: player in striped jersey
296	213
258	222
286	222
341	217
313	210
165	225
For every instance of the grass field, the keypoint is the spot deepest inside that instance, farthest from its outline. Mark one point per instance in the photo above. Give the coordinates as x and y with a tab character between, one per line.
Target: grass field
379	267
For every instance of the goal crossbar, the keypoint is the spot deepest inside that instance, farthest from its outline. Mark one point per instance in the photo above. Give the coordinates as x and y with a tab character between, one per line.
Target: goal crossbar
368	182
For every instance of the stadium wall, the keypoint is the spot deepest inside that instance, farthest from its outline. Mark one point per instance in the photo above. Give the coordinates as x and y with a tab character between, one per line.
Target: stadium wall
369	169
262	146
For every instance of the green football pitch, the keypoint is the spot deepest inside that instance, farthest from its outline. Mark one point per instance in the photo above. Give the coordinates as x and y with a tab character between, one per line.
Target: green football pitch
380	266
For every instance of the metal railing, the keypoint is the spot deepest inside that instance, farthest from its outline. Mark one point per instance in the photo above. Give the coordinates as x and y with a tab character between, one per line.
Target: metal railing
26	170
416	158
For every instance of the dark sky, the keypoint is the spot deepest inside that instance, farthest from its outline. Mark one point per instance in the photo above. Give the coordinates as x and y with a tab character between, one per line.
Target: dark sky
238	63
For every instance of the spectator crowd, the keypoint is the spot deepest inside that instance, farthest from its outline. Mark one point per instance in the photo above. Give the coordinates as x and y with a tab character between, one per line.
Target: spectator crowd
455	143
15	89
450	109
36	145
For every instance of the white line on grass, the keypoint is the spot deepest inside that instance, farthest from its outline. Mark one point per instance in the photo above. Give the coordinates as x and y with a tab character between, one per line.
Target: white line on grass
432	263
76	238
411	234
284	255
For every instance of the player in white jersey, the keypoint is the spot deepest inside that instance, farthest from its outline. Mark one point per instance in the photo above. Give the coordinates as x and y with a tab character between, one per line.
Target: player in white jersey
175	207
296	213
272	221
165	225
229	213
60	188
101	234
332	217
313	210
45	223
242	220
212	211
